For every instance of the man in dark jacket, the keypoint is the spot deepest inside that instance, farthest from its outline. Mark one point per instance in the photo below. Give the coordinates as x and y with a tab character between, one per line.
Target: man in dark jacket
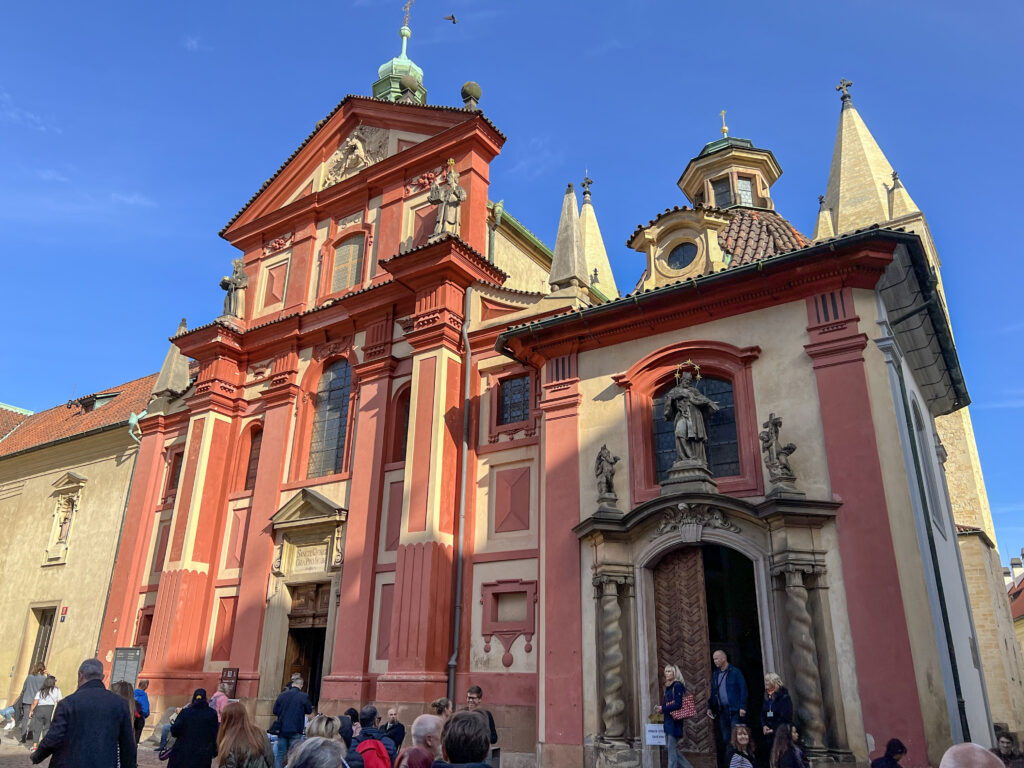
33	682
368	731
91	728
393	729
728	701
291	708
466	741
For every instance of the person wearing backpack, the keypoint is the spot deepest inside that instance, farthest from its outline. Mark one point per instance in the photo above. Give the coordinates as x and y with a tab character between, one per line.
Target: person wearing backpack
376	749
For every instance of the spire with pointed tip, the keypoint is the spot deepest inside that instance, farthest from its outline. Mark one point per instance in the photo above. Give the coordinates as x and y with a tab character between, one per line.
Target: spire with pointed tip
173	377
599	268
569	264
823	226
858	192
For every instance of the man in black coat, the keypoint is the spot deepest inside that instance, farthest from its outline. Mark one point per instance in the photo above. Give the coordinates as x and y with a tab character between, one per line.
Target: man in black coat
393	729
91	728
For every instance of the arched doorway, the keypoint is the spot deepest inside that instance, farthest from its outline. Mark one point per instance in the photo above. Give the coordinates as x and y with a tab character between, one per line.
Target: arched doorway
705	598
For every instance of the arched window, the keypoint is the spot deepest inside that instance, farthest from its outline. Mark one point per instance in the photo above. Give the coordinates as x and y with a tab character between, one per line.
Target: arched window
348	263
400	439
255	442
722	446
330	421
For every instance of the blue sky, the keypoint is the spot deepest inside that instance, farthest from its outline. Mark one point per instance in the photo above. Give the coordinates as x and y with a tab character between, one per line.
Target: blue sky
131	132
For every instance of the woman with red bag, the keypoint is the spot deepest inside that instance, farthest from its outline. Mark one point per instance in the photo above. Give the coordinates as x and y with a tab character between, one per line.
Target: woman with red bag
672	707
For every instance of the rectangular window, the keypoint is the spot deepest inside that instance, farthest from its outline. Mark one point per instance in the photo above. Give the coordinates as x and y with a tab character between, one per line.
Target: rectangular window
44	631
514	399
745	191
723	197
173	475
348	264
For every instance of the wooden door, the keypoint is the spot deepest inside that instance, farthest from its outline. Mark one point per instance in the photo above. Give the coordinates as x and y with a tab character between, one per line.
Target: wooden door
681	618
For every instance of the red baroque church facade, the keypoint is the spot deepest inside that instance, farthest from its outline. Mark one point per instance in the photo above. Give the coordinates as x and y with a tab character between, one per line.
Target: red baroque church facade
377	468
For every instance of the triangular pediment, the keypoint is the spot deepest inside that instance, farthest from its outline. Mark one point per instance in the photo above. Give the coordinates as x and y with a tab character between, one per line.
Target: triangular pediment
308	508
358	134
69	481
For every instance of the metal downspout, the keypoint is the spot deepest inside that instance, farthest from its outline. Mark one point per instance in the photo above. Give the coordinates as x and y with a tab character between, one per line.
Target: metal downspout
461	540
950	648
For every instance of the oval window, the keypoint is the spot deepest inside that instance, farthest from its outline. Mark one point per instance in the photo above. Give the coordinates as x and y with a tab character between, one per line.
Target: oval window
682	256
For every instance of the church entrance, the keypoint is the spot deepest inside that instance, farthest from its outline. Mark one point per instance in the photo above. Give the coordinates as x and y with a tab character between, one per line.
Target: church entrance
307	634
705	599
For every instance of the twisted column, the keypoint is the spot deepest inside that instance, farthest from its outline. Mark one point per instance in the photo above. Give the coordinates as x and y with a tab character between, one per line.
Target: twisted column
612	681
805	659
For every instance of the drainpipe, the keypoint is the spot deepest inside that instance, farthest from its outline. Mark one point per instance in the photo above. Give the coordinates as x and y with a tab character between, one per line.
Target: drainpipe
912	434
461	540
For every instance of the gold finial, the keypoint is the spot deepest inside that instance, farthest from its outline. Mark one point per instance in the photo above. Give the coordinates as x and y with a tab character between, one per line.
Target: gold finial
407	7
725	128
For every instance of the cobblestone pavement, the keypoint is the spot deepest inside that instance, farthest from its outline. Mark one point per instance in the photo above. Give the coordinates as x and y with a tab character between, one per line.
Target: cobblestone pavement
13	755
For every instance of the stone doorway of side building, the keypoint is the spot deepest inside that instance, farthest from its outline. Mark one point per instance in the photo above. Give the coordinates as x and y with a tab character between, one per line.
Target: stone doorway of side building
705	599
307	635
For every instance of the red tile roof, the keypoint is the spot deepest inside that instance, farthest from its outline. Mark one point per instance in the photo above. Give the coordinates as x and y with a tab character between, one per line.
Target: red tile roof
62	422
754	234
10	418
1017	601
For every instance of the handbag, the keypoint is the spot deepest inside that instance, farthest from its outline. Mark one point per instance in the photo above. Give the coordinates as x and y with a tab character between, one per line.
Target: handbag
275	728
687	709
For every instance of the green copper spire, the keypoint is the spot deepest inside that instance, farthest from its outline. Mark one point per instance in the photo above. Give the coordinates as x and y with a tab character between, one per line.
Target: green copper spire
400	79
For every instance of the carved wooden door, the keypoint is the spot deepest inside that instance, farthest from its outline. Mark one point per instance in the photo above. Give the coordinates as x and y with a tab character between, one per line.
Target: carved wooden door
681	618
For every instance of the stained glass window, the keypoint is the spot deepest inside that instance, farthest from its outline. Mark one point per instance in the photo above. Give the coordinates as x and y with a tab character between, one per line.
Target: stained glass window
514	399
723	450
330	421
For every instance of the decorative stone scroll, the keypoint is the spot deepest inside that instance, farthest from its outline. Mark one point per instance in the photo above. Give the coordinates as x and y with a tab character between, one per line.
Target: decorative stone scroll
331	349
365	146
697	516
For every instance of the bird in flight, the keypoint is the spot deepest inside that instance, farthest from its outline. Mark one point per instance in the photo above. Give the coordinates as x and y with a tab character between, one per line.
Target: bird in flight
451	18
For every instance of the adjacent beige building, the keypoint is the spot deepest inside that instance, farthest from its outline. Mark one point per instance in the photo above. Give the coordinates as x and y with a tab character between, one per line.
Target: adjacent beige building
65	475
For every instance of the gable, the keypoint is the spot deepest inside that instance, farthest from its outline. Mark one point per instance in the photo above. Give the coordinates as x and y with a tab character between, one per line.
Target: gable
357	134
308	508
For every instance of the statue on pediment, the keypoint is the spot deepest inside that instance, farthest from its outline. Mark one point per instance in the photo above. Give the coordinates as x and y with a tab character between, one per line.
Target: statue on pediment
234	285
448	196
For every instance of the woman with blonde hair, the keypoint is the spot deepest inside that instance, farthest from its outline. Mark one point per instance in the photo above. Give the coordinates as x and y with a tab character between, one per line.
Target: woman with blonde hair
777	708
672	701
240	744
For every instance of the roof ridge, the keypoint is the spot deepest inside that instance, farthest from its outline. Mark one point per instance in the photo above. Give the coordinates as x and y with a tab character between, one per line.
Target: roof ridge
16	409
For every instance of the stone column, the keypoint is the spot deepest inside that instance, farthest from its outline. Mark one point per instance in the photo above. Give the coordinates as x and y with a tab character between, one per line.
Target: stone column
612	658
806	682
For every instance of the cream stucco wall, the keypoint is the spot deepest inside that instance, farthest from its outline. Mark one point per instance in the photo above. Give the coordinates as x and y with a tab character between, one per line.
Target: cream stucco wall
525	272
80	583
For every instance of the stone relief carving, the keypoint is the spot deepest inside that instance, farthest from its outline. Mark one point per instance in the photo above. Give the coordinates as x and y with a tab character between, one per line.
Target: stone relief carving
64	513
448	197
278	244
337	551
423	181
347	221
776	455
700	515
277	568
331	349
365	146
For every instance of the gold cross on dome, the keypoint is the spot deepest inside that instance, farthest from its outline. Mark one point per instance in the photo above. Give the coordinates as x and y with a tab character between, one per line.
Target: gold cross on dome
407	7
725	128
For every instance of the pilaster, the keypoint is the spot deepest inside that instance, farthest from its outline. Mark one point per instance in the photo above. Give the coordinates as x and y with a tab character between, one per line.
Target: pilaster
884	659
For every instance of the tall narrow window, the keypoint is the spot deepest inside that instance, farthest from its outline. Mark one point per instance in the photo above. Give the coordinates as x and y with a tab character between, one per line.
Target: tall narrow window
44	631
173	475
254	459
348	263
514	399
330	421
744	191
722	194
401	435
722	446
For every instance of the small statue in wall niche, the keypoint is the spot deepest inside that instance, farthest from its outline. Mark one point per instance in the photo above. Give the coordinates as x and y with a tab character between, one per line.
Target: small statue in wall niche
776	455
448	197
65	511
604	471
234	285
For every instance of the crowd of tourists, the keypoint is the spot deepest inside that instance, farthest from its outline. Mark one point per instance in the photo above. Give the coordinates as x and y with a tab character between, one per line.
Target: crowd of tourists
772	740
97	727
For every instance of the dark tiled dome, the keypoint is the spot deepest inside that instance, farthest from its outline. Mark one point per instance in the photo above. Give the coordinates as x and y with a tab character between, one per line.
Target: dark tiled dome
754	234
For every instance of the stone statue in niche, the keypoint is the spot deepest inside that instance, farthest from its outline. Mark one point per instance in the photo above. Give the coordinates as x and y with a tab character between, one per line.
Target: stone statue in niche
686	407
234	285
604	472
65	511
776	455
448	197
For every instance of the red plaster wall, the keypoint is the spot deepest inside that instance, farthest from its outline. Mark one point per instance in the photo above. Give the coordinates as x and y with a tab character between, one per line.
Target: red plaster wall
422	447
